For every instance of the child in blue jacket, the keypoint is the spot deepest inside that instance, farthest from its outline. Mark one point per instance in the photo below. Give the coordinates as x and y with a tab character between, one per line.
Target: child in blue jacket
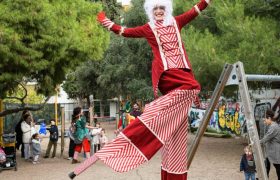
247	164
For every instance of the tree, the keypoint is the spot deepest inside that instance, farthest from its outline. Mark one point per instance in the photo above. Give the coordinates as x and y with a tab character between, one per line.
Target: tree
263	8
128	72
233	35
124	70
83	82
111	7
43	40
25	94
226	32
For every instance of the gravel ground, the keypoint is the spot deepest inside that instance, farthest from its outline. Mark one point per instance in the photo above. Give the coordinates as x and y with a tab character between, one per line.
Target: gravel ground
216	159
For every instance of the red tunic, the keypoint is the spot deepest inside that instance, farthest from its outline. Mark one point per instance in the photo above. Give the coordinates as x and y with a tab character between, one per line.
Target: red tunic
145	31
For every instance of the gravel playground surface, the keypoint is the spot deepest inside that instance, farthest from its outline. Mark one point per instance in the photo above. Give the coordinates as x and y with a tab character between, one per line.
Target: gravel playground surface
216	159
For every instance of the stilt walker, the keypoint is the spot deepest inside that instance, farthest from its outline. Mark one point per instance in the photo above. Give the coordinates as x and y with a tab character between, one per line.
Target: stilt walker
164	121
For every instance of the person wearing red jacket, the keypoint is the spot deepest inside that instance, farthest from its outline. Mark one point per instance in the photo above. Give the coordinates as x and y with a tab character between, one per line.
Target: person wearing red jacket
163	124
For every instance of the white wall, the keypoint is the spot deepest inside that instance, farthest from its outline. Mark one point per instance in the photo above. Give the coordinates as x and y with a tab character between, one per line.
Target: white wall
62	98
113	109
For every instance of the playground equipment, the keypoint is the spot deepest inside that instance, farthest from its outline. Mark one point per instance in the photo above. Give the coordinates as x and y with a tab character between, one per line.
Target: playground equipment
8	143
235	75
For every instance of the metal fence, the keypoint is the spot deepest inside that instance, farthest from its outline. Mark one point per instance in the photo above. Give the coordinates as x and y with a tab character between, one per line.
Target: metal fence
43	115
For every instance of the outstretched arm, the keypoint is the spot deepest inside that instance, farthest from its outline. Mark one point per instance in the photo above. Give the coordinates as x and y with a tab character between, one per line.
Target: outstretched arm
136	32
188	16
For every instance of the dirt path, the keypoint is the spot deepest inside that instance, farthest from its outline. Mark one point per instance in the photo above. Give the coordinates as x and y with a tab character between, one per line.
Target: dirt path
216	159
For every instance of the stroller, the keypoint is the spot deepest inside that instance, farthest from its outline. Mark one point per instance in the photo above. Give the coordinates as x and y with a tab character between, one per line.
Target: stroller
8	152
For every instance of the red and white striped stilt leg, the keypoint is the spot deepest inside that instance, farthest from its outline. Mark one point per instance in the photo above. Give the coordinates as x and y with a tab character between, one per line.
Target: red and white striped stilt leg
86	164
161	120
174	155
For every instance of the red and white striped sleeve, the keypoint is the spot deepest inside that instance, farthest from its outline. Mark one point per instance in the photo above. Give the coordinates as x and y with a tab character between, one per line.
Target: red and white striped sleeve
136	32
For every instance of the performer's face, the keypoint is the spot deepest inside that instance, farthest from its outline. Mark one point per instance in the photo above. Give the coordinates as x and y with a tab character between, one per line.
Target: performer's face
159	13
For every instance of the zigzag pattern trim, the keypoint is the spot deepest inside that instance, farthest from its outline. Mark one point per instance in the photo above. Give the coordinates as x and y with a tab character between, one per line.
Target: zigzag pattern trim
121	155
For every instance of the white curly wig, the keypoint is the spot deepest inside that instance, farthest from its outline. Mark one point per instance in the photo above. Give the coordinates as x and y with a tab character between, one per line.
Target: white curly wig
149	5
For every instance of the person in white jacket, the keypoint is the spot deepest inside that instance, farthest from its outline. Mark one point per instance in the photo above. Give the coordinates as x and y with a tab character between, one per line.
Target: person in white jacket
26	136
95	143
103	138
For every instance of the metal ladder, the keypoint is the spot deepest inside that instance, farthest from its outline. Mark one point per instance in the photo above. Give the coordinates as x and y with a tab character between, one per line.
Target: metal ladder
235	75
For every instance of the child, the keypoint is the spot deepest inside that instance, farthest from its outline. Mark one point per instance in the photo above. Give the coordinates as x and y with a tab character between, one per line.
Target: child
53	139
103	138
247	164
96	136
36	148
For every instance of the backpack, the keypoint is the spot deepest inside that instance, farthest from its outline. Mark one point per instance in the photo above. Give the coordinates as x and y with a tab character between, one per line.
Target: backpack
73	130
53	133
77	141
54	136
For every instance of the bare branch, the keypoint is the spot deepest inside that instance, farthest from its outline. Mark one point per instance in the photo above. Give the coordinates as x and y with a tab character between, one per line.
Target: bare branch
18	98
10	111
25	90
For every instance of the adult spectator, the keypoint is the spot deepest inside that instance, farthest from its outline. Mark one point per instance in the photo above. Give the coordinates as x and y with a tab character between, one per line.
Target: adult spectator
26	136
135	110
71	142
19	133
272	141
81	141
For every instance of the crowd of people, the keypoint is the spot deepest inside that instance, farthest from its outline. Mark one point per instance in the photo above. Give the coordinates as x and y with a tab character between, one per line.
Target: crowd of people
29	140
93	138
83	136
128	116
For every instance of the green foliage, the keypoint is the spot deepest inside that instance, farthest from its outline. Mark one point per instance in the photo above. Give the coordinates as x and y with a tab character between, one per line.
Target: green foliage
202	22
127	63
233	35
126	72
226	32
82	83
204	56
111	7
136	16
125	69
42	40
263	8
31	98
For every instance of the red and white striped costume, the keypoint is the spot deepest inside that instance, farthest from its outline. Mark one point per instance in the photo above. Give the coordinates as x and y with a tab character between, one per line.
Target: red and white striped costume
163	124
